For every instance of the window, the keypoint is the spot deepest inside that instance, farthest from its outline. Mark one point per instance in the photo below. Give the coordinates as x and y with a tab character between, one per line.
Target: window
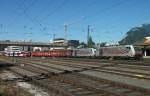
128	48
137	49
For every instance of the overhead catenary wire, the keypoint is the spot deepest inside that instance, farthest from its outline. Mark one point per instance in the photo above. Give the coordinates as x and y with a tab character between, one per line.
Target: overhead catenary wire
108	8
55	10
39	22
44	9
138	19
86	9
28	8
14	12
35	18
24	10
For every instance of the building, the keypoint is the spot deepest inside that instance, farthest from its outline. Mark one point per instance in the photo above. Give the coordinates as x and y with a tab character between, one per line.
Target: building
145	46
13	48
73	43
28	45
62	41
59	41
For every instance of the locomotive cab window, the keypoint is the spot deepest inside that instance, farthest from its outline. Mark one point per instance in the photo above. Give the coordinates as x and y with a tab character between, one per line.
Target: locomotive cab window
128	48
137	49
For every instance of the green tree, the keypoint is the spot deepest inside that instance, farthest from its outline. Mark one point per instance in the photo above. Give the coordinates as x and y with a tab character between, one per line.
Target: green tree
82	45
103	44
91	43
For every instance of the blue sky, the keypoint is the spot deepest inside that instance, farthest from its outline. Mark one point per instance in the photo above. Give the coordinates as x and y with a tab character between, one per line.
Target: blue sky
38	20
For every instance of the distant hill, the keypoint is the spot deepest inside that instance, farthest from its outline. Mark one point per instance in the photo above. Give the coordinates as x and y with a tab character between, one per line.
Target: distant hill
136	34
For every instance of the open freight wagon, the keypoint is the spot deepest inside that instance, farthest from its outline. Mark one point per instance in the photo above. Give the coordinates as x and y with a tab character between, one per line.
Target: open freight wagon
53	53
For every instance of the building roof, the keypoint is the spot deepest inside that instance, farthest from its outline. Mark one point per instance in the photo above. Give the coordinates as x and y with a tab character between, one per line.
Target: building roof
59	39
143	42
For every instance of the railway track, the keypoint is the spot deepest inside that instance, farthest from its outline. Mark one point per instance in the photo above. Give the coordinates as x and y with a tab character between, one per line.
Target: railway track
134	66
103	64
124	69
114	69
51	67
107	85
97	62
82	85
138	73
57	84
131	62
77	83
72	63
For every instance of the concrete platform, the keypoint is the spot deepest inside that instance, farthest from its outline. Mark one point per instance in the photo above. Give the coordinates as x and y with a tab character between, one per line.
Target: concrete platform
146	57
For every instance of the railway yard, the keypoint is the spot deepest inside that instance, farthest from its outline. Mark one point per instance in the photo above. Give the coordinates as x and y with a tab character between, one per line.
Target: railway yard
76	76
74	48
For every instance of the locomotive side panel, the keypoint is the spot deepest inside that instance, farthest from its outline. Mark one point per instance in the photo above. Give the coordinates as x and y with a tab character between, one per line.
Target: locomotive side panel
118	51
84	52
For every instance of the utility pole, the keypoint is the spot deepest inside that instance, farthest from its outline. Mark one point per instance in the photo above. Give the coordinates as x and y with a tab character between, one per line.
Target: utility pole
88	34
67	24
65	30
1	26
31	48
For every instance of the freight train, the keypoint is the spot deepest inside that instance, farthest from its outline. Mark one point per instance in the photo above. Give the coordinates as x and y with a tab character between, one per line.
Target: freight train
109	52
88	52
